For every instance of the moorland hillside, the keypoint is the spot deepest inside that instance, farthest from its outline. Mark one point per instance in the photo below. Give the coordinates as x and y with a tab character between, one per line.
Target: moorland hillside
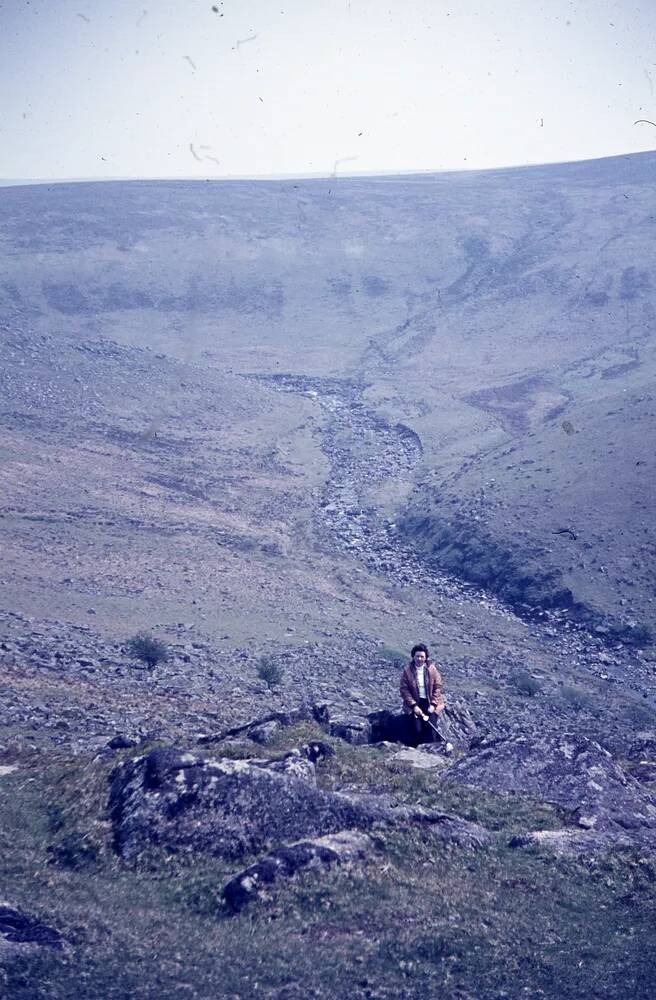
505	318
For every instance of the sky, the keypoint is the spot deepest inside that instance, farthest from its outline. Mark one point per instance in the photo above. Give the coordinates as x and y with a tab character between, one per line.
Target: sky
296	87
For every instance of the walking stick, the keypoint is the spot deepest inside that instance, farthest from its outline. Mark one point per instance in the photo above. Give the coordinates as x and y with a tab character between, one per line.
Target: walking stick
447	746
426	718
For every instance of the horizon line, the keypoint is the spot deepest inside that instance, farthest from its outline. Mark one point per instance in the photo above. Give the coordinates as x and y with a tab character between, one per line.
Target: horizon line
411	172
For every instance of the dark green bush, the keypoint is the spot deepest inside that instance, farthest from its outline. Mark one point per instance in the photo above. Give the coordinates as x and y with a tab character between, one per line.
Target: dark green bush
151	651
634	635
269	671
524	683
577	697
394	656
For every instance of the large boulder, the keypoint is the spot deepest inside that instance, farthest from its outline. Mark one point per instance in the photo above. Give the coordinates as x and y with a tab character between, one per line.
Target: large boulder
455	725
568	770
184	801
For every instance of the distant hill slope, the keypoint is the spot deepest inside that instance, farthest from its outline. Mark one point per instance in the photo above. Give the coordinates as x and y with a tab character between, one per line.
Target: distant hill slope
505	316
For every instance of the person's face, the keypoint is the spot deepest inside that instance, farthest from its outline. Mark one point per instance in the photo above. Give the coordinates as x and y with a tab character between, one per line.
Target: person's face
419	658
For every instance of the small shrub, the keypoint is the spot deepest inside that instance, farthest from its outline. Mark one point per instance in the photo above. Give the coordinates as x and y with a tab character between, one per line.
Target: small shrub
394	656
270	672
634	635
577	698
151	651
640	715
524	683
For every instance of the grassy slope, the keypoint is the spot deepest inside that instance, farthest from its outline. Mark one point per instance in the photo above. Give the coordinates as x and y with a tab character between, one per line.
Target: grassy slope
137	486
415	917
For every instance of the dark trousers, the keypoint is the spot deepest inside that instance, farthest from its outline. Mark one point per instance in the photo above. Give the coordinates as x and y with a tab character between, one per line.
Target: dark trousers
420	731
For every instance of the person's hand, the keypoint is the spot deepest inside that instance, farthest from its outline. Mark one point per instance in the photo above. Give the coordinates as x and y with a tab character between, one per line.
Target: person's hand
432	710
418	712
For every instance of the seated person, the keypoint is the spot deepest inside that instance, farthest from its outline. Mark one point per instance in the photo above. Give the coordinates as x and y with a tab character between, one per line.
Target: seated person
422	695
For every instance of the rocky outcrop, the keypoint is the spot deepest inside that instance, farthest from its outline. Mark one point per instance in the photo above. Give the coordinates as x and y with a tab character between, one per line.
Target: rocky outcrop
186	802
455	724
574	843
258	880
17	928
355	730
568	770
261	730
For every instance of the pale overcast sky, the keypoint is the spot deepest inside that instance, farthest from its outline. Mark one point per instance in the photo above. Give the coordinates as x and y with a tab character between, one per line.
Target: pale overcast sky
256	87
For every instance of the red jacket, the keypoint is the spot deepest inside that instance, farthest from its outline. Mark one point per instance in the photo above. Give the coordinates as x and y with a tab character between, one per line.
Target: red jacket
433	684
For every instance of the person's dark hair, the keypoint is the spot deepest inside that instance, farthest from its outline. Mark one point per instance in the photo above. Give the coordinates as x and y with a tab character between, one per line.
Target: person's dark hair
419	648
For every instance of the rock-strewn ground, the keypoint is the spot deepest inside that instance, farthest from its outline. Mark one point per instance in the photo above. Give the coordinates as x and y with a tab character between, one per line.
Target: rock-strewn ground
161	862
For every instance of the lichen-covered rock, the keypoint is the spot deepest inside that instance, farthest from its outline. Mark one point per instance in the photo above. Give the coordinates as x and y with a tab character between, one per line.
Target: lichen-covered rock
568	770
258	879
460	726
356	730
184	801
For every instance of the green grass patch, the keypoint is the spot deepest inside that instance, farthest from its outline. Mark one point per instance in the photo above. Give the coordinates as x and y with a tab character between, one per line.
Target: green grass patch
392	655
371	769
524	683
